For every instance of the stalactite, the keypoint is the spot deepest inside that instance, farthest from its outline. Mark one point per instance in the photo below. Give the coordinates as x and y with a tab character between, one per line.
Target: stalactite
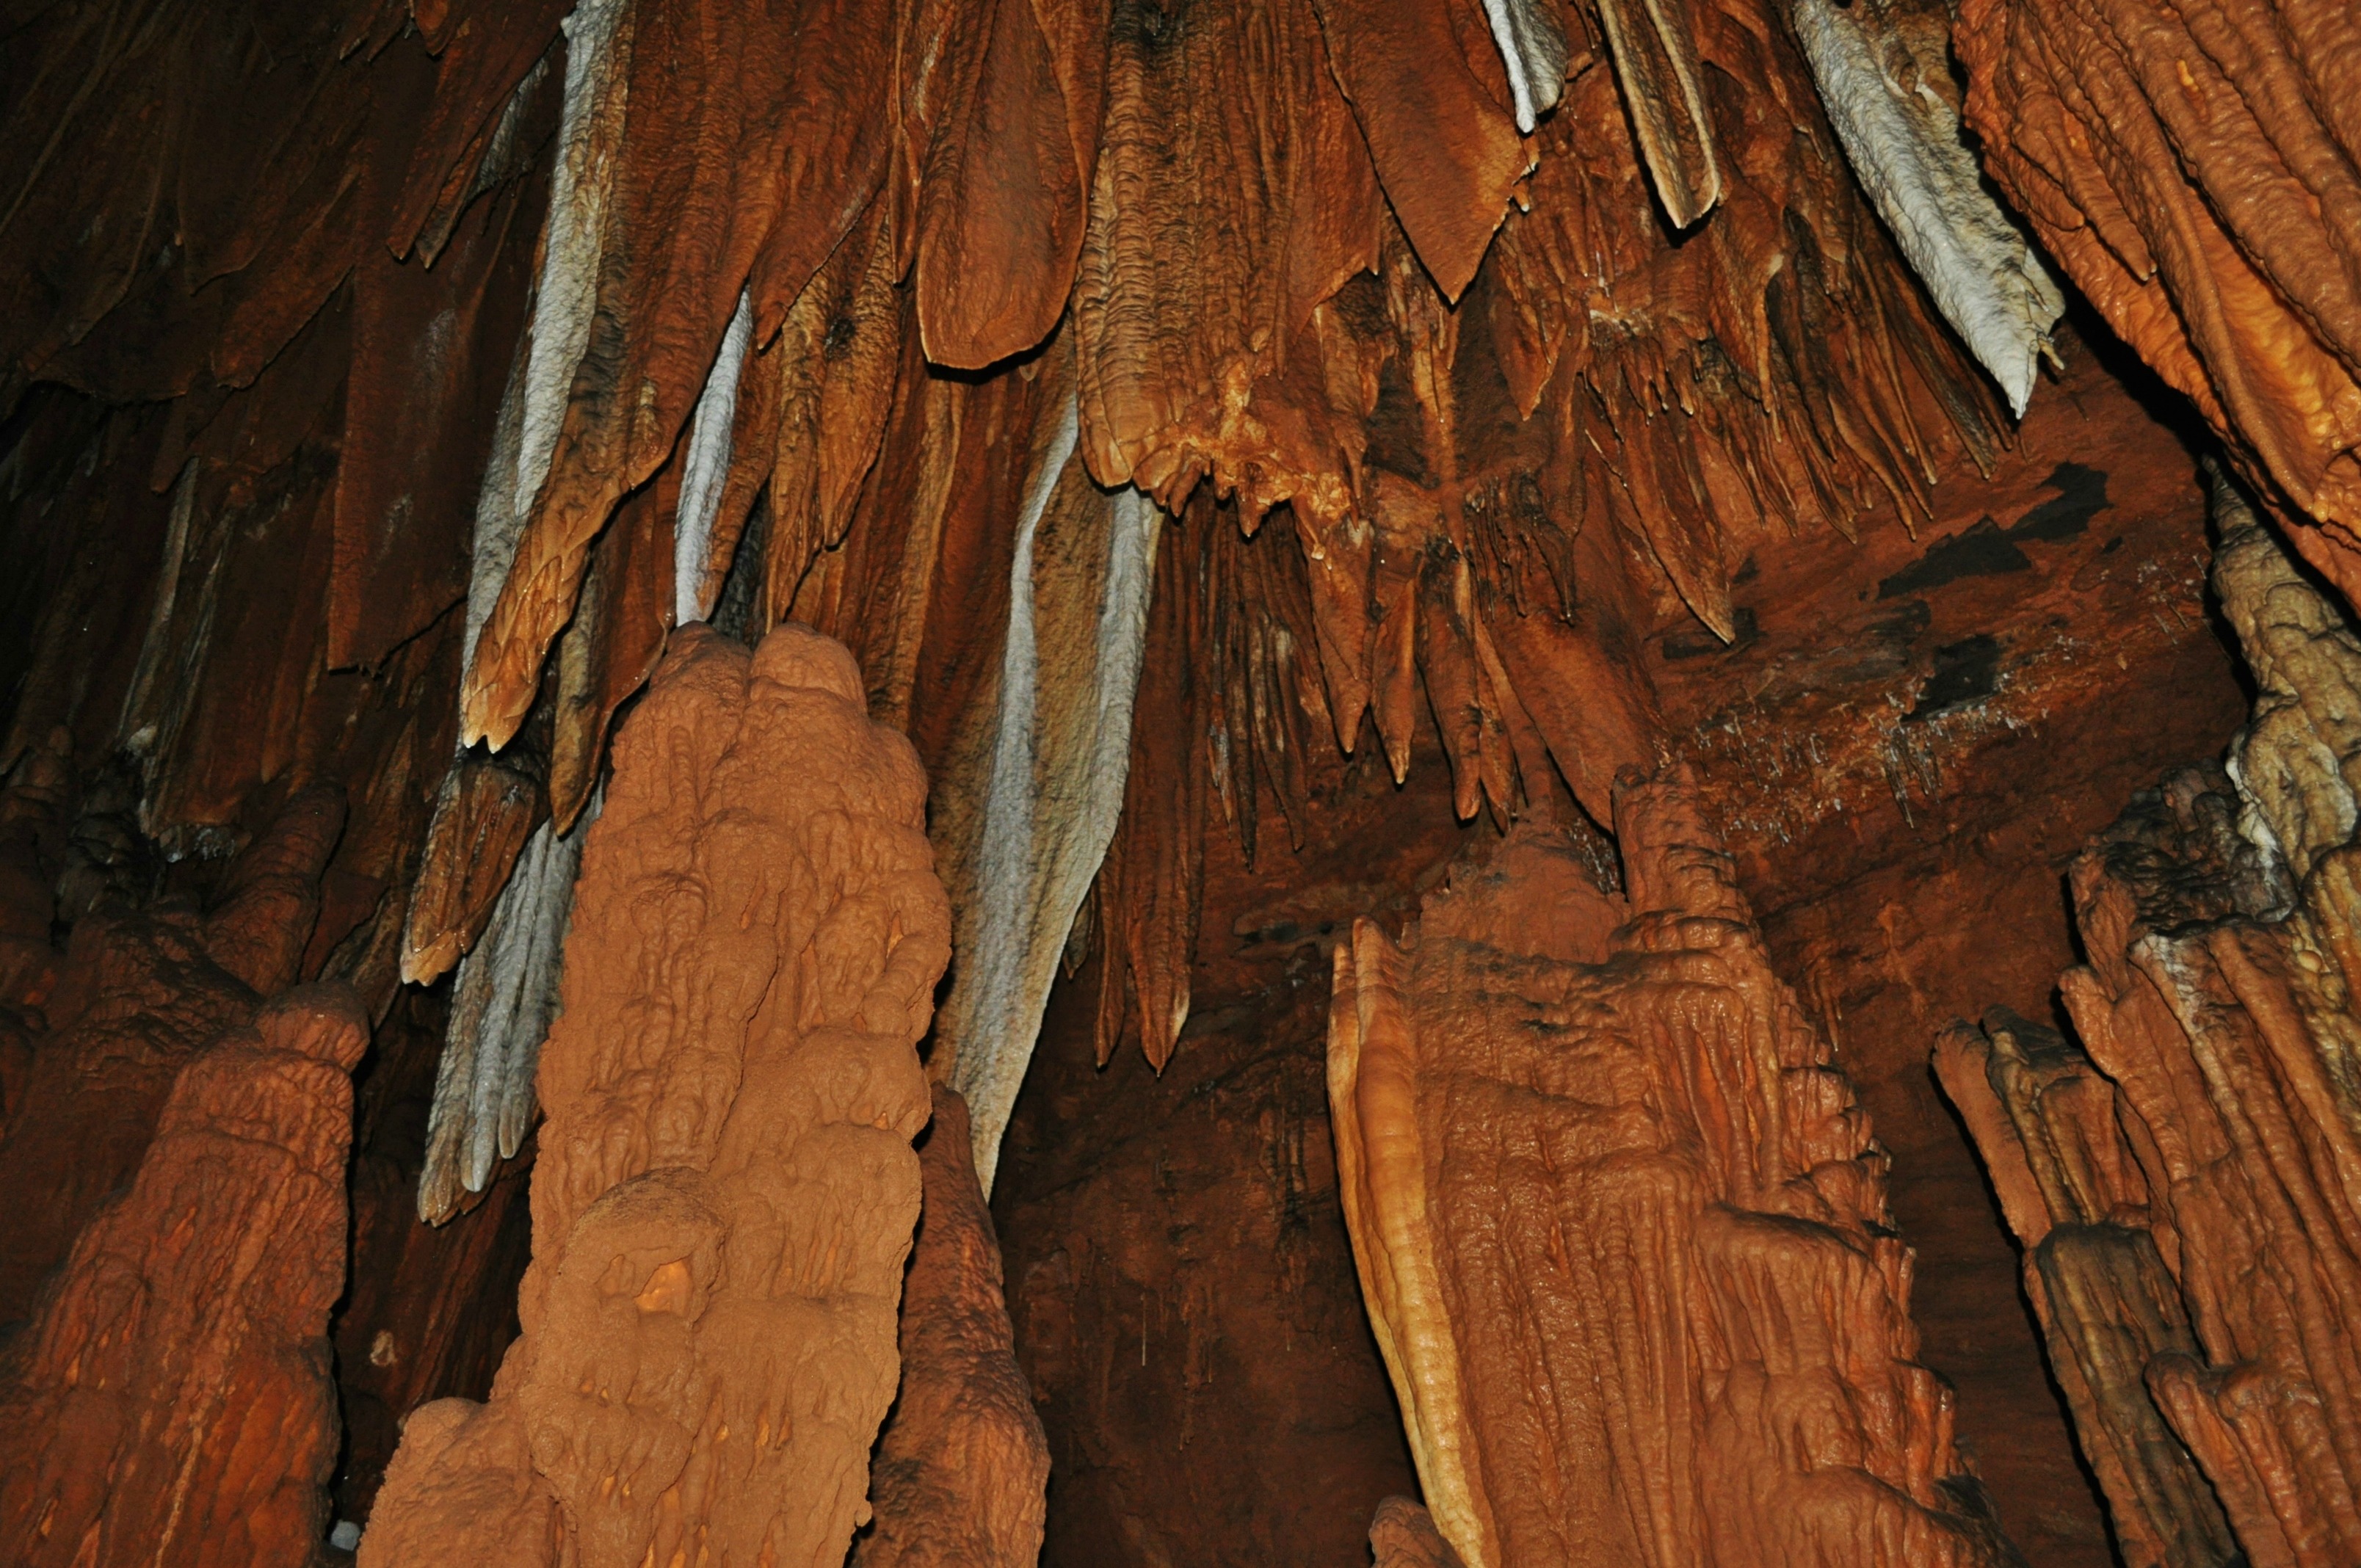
2196	170
597	81
708	467
1023	848
1532	48
501	1005
2296	763
1903	139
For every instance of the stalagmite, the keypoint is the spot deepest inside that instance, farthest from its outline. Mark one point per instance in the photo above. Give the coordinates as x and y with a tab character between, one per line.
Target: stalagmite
140	994
2185	1177
1021	851
1902	137
1621	1229
962	1464
725	1191
1403	1536
170	1401
1145	395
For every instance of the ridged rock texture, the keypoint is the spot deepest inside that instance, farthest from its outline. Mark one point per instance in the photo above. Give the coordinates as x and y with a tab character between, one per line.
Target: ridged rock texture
529	334
2182	1173
1621	1230
962	1464
724	1197
170	1401
2196	170
1433	409
1403	1536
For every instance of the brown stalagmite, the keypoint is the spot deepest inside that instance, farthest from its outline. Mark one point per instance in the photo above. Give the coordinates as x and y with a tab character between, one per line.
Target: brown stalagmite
138	996
1650	1308
962	1462
2188	1191
170	1402
725	1190
2196	168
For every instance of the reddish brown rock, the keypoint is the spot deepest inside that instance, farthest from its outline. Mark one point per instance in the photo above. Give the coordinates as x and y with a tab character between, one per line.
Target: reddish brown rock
2184	1178
724	1194
137	995
1649	1305
172	1400
2196	168
962	1463
1402	1535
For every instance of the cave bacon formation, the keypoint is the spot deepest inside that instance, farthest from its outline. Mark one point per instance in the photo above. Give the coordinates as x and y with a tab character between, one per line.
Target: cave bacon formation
461	453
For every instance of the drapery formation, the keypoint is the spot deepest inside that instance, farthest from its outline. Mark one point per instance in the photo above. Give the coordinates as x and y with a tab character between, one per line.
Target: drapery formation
600	321
2195	168
1621	1229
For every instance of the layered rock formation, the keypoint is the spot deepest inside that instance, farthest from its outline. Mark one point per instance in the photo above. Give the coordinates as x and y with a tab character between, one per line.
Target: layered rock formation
962	1463
725	1191
170	1401
1256	449
1621	1230
2183	1174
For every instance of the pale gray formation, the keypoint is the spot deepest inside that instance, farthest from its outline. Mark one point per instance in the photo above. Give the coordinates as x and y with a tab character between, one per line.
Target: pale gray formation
2297	762
501	1006
1061	750
1532	48
706	468
499	521
590	132
1902	139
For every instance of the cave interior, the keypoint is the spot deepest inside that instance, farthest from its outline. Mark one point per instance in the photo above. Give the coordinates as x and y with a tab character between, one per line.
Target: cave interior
1453	783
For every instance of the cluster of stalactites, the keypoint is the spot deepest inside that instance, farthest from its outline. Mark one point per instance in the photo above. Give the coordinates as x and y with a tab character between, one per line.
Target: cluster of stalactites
668	292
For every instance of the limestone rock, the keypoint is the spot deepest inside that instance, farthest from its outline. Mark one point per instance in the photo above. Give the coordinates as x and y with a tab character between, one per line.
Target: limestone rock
2183	1177
725	1191
2195	168
1402	1535
1621	1227
139	994
172	1400
962	1462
